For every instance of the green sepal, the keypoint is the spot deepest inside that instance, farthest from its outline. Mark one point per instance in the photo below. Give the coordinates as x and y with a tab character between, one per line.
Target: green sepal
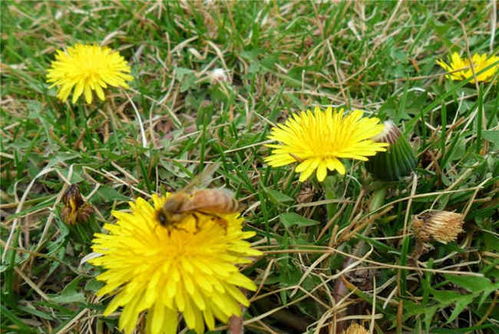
397	162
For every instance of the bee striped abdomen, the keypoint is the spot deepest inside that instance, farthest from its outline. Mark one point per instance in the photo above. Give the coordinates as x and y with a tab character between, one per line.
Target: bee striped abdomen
214	200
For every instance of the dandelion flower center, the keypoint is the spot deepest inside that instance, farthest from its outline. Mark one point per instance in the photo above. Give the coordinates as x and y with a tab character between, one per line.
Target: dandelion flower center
190	270
318	139
86	68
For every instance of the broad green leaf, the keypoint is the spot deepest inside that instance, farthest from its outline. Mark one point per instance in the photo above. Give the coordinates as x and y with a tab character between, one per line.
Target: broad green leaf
472	283
61	157
108	194
70	294
291	219
93	285
76	175
461	304
31	310
446	297
411	309
492	136
278	197
429	312
180	72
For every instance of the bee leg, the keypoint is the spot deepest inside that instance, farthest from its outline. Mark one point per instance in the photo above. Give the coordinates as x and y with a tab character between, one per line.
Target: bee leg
196	218
222	222
169	229
178	228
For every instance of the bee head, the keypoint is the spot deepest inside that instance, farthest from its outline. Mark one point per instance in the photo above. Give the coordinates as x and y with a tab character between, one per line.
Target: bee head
161	218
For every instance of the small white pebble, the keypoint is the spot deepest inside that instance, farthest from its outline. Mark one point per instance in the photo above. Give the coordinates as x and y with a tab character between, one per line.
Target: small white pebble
218	75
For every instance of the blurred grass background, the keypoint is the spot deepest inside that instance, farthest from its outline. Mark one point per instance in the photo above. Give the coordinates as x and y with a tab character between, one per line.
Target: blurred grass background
277	57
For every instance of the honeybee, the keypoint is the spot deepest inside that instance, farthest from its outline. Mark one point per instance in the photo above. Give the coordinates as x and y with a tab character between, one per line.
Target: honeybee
75	208
191	202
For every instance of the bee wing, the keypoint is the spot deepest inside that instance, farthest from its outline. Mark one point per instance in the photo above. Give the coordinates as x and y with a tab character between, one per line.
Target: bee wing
219	200
239	206
203	179
227	192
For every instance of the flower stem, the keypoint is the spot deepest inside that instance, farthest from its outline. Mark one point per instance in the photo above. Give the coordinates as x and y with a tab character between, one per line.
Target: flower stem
330	185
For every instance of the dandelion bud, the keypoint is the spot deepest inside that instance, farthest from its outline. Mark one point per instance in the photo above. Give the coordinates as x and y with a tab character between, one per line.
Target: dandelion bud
356	329
442	226
399	159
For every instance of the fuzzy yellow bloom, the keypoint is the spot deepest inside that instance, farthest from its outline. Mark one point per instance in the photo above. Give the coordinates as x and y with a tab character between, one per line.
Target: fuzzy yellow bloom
191	270
461	68
86	68
318	139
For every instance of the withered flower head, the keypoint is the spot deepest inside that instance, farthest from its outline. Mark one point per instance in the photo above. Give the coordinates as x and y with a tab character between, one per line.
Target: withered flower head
356	329
442	226
75	210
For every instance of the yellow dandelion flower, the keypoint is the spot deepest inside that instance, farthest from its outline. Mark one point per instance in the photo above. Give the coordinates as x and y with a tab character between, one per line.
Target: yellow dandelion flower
320	138
86	68
461	68
189	270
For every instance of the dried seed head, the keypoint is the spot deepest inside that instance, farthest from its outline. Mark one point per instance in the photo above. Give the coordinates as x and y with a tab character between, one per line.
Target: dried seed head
356	329
442	226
